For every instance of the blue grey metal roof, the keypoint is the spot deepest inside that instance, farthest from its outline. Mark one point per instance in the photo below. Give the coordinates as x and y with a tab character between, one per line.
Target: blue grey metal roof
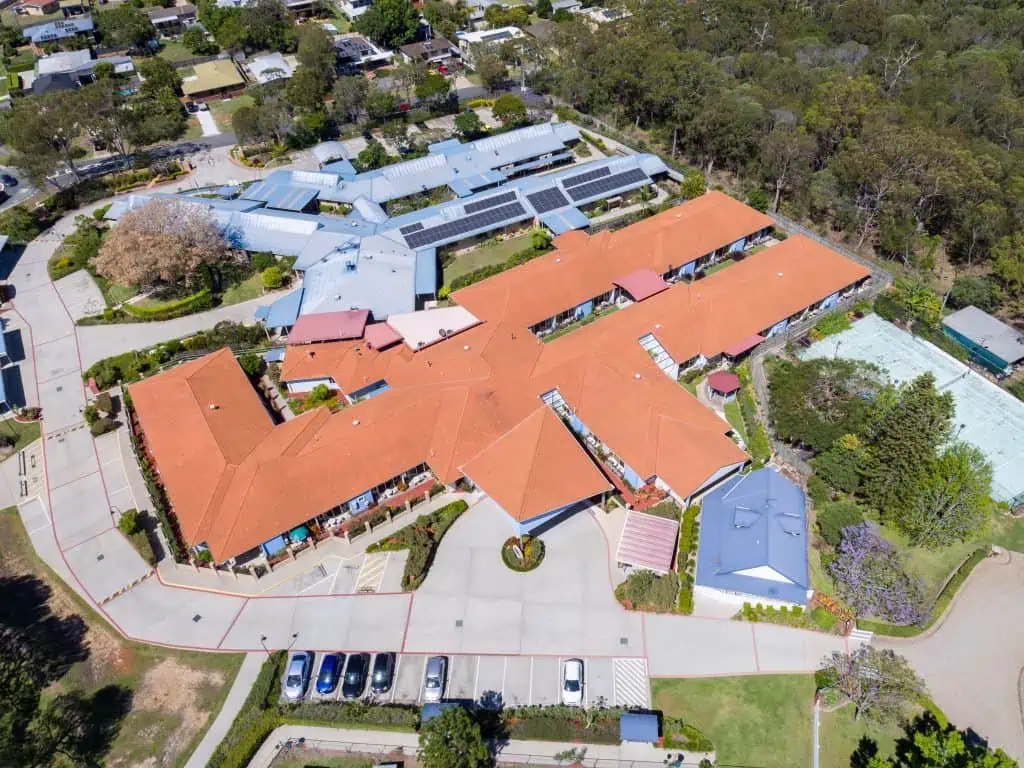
988	332
368	210
285	311
342	167
284	197
565	219
758	520
426	271
638	726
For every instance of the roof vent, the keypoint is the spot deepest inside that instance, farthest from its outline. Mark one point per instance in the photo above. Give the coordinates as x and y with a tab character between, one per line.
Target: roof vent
657	326
214	406
780	274
465	347
636	376
558	260
355	422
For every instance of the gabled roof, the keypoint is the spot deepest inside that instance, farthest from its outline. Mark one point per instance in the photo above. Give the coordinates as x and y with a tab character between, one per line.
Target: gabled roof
536	467
329	326
724	382
755	521
997	337
647	541
642	284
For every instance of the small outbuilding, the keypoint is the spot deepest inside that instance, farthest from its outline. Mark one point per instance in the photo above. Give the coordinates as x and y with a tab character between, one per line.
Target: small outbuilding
638	727
990	342
723	385
647	541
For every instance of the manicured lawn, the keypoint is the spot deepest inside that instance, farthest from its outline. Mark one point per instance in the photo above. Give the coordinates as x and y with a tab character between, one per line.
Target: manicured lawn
175	51
174	695
762	720
1007	532
934	566
691	386
193	130
485	255
24	434
114	293
718	267
223	110
840	736
732	413
251	288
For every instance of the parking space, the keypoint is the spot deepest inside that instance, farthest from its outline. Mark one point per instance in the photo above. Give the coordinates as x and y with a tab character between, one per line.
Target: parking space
512	681
333	695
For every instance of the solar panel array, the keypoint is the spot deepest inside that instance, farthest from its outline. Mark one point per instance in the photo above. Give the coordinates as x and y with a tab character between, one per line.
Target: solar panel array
547	200
490	202
411	228
599	187
588	176
452	229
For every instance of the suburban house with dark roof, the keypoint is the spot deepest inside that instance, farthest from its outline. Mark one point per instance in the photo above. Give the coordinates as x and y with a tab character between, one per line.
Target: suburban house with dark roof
753	541
468	394
172	20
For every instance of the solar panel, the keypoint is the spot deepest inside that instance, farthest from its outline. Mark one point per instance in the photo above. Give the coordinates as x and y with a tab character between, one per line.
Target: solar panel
452	229
490	202
588	176
599	187
411	228
547	200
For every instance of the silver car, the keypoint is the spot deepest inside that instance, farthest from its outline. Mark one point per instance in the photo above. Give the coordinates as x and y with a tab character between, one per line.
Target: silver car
435	678
297	674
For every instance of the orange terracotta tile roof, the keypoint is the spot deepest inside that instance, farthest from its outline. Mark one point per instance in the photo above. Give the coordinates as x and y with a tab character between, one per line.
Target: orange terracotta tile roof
470	404
535	467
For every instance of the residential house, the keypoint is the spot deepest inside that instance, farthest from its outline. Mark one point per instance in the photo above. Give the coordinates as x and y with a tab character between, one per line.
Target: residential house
431	52
271	66
753	541
212	80
172	21
472	42
356	53
57	29
354	8
37	7
72	69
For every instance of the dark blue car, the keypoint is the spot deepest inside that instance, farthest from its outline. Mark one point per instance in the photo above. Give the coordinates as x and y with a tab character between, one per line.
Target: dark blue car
330	672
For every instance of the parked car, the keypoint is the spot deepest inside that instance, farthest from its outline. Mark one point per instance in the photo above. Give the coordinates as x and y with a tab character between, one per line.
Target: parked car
435	678
297	673
191	107
330	673
7	180
572	683
355	675
383	673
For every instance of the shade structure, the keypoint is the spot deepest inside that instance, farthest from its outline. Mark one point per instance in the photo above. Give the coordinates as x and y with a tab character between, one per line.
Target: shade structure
642	284
329	326
723	382
647	541
734	350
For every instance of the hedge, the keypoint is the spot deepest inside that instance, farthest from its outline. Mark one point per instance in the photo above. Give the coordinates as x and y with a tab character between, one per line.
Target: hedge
421	538
757	439
938	608
688	533
377	717
197	302
561	723
254	721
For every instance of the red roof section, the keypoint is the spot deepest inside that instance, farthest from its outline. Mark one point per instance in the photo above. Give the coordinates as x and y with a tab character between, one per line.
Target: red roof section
724	382
381	335
742	346
329	326
647	541
642	284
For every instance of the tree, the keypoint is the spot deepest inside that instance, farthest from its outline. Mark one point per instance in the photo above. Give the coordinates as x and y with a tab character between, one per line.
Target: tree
161	241
836	516
509	109
395	131
124	25
445	18
408	75
840	465
452	740
1008	262
316	53
389	23
252	364
194	38
544	9
953	503
379	104
267	24
272	278
373	156
434	87
902	443
306	89
879	683
19	224
42	133
972	291
103	70
490	68
158	74
693	185
349	95
931	744
468	124
786	158
870	576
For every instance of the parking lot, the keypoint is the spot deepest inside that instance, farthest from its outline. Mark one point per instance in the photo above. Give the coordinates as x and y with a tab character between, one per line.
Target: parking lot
513	681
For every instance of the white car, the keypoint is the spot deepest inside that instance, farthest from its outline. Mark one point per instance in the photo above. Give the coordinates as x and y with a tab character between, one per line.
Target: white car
435	678
572	683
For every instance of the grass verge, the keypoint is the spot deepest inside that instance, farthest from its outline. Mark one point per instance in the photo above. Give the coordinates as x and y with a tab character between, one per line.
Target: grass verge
24	433
840	735
762	720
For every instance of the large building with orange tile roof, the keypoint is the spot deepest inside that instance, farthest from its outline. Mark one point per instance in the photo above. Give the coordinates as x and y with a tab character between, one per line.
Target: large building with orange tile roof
540	423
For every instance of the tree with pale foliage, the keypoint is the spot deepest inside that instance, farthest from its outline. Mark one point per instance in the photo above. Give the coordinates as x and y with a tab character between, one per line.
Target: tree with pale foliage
878	683
452	740
163	241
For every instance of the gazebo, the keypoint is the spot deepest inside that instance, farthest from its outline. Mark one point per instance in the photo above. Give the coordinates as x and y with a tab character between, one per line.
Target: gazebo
723	384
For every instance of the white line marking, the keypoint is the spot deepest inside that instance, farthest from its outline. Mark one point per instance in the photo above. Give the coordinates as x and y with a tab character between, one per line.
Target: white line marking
419	696
476	683
531	681
504	672
394	680
558	679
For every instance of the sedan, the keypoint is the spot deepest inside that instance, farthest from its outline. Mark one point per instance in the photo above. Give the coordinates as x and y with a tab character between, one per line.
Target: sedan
355	675
572	683
330	673
7	180
434	679
383	673
296	676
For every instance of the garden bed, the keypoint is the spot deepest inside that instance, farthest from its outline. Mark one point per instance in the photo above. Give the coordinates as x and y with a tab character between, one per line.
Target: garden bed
530	548
421	538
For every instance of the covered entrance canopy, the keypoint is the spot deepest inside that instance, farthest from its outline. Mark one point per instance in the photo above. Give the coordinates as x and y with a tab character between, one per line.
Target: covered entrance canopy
647	541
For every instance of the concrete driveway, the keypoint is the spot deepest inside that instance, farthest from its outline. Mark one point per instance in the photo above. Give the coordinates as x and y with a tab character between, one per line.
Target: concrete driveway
472	603
973	660
207	123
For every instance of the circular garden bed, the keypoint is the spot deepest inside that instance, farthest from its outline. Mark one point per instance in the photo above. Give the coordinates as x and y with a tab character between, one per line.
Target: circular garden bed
523	554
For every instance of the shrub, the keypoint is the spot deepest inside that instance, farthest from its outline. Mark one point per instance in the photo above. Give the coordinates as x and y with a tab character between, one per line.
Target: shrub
354	713
827	677
840	465
969	290
666	508
833	517
818	490
887	308
686	560
679	735
644	590
140	540
837	322
197	302
101	426
19	224
421	538
826	620
533	553
272	278
254	721
262	260
129	522
104	403
252	364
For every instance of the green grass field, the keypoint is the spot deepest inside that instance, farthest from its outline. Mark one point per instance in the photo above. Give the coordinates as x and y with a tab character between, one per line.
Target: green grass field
250	288
484	255
24	434
840	736
760	720
224	110
175	51
732	413
114	293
